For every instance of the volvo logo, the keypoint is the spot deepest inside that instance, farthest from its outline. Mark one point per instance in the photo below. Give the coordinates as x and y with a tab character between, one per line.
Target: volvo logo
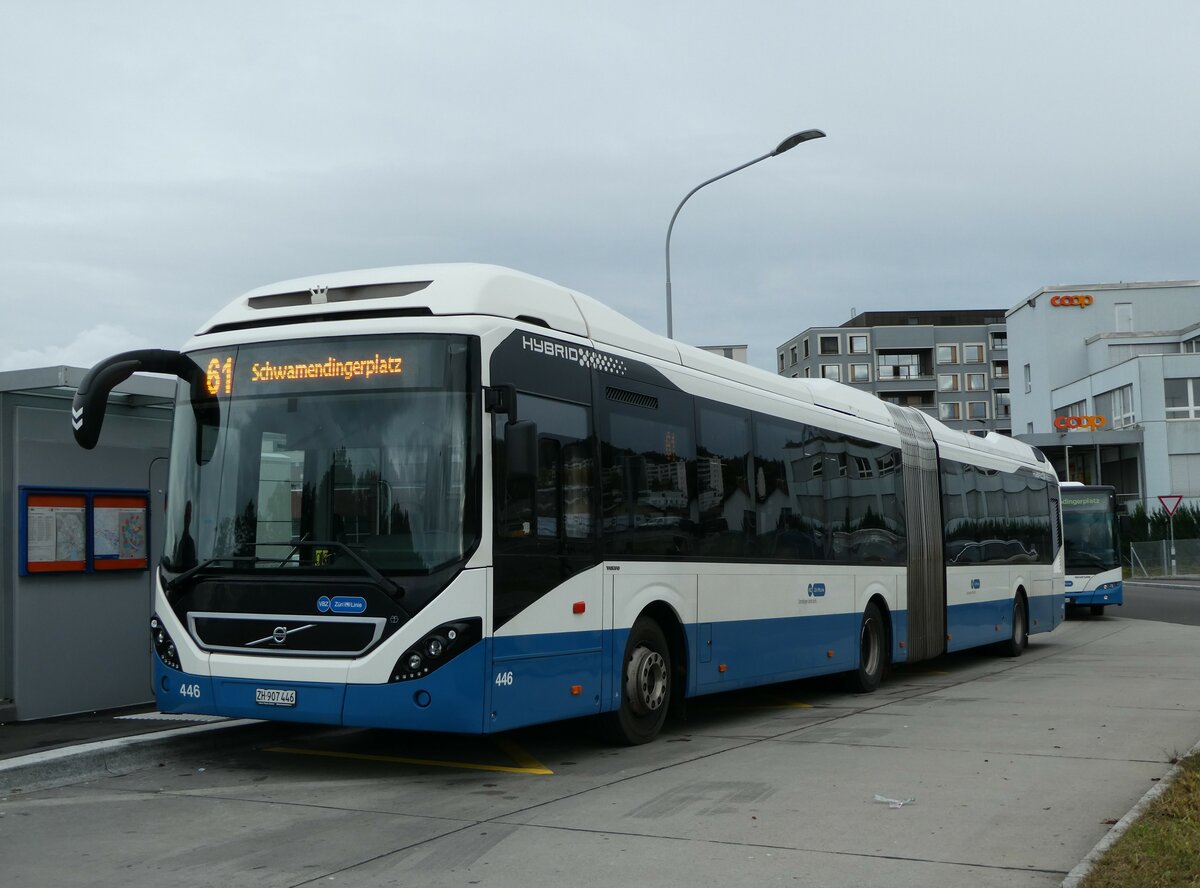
280	635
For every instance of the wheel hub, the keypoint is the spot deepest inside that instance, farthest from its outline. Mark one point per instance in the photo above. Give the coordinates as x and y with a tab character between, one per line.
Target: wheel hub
646	681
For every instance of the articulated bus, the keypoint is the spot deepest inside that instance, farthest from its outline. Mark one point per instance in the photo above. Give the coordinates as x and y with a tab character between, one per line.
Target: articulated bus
1092	547
460	498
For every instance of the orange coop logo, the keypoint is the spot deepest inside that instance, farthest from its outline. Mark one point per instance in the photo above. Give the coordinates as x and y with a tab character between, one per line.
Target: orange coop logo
1080	300
1091	423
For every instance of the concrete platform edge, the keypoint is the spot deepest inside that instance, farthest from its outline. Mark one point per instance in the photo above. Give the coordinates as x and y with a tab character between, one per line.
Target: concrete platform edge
73	764
1077	875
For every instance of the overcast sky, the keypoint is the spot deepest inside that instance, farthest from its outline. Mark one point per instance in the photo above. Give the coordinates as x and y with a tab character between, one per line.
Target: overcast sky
159	159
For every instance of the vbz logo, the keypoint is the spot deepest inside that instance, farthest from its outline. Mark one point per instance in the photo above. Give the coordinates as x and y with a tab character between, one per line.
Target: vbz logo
816	590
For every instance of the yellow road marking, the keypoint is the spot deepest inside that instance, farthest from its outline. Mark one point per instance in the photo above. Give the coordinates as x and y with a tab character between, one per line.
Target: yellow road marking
529	764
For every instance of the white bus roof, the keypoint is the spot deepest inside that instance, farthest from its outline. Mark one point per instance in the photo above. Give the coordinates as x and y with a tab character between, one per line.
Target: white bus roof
492	290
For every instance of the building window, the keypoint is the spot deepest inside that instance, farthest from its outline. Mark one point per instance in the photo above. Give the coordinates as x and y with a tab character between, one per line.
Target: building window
898	366
1185	473
860	372
999	369
1028	380
829	345
793	354
947	354
976	382
781	362
831	371
1117	406
1077	409
1003	405
972	354
948	382
806	348
1183	398
858	345
808	372
977	410
999	340
949	410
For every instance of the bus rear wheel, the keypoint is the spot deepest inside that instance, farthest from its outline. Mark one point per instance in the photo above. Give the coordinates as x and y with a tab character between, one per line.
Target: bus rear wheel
1020	630
645	686
872	652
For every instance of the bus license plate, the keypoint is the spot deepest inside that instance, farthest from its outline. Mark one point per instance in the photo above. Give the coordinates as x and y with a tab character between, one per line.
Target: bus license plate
274	697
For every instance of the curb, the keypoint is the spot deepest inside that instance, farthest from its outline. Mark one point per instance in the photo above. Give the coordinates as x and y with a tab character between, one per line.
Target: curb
1077	875
74	764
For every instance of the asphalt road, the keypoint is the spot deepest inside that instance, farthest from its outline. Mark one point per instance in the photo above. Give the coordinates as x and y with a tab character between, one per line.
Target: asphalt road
1169	601
1016	768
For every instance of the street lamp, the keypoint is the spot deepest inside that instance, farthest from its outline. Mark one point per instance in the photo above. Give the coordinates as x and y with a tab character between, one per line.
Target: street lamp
786	145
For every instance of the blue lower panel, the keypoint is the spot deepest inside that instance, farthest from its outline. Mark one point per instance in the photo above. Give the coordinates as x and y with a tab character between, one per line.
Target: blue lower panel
176	691
760	651
544	678
1114	594
448	699
989	622
978	623
1045	613
316	703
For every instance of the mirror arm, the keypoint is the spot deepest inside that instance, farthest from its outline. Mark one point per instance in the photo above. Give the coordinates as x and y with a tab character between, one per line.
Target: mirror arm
91	398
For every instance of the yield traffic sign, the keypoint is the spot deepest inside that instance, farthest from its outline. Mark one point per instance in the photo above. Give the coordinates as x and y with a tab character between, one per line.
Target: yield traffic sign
1170	503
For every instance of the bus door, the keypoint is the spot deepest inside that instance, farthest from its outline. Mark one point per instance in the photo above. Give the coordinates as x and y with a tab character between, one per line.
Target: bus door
547	592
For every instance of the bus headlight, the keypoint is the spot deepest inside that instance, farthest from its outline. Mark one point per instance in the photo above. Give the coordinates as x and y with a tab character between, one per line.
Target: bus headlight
436	649
164	645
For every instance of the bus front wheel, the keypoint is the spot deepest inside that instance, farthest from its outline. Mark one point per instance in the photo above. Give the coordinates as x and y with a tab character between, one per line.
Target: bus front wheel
645	686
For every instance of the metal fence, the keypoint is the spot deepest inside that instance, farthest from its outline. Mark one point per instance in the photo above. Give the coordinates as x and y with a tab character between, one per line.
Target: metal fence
1155	559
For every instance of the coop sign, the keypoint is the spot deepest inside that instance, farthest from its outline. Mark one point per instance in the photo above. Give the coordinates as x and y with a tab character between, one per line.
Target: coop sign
1074	301
1091	423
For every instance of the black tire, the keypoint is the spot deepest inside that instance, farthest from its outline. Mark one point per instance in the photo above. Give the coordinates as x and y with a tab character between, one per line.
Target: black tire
645	686
1097	610
1019	636
872	652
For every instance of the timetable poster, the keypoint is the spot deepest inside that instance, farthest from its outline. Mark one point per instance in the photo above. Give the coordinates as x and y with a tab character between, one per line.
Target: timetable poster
119	532
55	532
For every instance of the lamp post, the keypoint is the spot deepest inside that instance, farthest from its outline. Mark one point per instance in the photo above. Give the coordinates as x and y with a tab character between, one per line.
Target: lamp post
786	145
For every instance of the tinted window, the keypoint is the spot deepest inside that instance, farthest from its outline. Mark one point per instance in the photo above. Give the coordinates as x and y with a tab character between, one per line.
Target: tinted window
726	504
647	456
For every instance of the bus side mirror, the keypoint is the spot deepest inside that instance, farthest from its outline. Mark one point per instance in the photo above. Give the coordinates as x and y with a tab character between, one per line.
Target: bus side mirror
91	398
1125	525
521	449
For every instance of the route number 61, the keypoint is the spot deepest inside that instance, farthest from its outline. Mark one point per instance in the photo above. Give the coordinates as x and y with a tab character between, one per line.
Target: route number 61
504	679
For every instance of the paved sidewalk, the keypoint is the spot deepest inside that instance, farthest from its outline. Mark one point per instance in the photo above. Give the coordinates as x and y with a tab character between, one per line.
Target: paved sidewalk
24	738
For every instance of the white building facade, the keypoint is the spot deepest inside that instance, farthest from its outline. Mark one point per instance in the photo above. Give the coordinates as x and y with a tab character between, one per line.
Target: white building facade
1106	382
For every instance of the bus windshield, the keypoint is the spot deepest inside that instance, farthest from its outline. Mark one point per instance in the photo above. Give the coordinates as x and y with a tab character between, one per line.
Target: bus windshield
344	454
1089	531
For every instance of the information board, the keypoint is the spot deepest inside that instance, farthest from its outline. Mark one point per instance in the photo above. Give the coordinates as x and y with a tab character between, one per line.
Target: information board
81	530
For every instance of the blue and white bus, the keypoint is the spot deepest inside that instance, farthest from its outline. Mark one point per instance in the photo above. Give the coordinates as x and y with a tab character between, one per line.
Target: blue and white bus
1092	548
460	498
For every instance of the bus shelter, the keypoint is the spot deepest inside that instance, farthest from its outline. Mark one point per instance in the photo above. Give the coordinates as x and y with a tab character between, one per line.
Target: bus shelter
80	531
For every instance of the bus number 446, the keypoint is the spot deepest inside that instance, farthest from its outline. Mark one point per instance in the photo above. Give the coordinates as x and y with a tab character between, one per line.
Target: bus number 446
190	690
504	679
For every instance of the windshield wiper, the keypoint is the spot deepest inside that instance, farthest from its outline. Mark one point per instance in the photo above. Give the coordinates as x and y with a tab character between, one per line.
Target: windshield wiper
371	570
192	571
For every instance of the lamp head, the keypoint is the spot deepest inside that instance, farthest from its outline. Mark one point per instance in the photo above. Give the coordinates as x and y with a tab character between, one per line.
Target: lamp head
795	139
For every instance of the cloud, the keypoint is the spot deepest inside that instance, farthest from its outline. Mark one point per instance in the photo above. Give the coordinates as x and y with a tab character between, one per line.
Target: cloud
84	350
